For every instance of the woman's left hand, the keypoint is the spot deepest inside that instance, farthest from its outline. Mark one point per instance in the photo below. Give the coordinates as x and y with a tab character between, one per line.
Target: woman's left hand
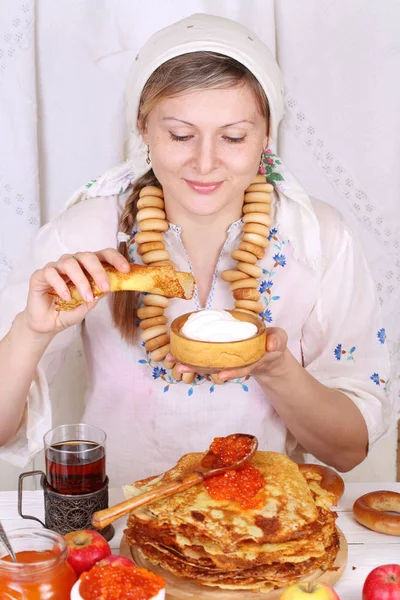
275	346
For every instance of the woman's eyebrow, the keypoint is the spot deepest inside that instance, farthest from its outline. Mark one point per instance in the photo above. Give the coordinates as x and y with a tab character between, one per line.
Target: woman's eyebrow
192	125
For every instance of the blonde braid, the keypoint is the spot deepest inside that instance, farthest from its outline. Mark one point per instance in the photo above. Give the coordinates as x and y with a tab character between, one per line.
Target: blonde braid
124	304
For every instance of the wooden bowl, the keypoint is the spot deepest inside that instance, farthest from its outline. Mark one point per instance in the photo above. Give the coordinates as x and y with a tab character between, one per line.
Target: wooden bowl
218	355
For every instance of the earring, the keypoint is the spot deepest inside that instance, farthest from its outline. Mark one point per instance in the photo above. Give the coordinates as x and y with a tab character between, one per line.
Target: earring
261	168
148	159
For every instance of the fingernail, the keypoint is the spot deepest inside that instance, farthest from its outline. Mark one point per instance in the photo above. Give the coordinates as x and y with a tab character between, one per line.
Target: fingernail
89	296
66	295
105	285
273	345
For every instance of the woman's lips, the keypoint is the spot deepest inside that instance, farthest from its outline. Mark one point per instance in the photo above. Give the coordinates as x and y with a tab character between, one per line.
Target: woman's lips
204	188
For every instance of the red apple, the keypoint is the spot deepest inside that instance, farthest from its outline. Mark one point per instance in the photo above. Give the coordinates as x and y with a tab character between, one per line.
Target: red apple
309	591
86	547
117	560
383	583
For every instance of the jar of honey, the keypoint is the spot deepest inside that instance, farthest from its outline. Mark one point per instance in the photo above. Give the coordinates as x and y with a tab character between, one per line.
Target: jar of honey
41	571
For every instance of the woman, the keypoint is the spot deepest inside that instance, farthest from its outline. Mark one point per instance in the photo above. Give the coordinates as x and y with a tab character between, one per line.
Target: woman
204	104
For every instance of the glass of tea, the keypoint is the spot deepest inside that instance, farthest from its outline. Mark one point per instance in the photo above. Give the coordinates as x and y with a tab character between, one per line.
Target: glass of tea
75	459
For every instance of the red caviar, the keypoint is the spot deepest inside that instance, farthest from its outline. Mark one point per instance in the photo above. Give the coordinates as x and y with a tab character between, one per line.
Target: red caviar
231	449
119	582
241	486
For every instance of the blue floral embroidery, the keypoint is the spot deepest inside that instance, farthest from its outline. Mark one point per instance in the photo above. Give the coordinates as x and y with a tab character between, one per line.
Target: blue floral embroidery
158	372
375	377
339	352
265	286
381	335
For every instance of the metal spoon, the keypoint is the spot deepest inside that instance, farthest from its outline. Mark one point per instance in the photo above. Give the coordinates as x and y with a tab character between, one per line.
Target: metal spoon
6	542
209	467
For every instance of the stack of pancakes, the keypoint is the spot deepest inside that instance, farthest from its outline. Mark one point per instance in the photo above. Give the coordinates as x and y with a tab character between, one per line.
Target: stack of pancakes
218	543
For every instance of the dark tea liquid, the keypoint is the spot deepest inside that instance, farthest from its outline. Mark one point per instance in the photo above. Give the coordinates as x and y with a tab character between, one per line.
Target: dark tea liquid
76	467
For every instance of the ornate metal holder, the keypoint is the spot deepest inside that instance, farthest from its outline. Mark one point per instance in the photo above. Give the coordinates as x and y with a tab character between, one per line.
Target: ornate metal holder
63	512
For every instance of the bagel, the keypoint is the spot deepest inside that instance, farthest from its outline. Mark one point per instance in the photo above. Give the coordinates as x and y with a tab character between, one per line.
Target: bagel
153	224
233	275
253	217
150	213
160	353
375	511
153	332
255	238
256	228
249	283
260	187
331	481
150	311
256	250
151	190
157	342
246	294
155	256
149	246
256	307
155	300
257	207
150	202
144	237
242	255
251	270
153	321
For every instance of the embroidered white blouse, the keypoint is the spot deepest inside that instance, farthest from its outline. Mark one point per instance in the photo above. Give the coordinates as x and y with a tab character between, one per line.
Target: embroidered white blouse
331	315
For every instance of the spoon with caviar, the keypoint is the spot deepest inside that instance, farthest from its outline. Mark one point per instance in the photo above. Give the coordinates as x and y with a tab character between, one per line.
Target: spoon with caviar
228	453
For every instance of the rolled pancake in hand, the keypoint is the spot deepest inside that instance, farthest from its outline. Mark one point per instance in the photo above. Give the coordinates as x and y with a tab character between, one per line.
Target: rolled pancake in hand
162	280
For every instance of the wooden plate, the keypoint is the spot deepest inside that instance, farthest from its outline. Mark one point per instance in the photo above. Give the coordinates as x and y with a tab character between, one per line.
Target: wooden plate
184	589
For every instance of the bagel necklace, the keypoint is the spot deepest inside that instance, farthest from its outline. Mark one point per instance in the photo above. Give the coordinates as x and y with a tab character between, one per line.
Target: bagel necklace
243	281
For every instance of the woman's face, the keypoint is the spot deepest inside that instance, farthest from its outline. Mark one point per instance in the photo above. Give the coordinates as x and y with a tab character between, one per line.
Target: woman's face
205	148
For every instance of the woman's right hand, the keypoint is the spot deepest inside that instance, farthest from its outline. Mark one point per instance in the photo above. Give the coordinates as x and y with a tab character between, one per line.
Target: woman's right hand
40	314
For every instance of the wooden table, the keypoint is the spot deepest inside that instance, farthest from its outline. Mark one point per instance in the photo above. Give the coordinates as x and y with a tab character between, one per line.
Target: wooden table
367	549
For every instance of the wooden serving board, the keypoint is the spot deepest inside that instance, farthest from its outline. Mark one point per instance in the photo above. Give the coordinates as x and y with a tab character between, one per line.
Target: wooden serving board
184	589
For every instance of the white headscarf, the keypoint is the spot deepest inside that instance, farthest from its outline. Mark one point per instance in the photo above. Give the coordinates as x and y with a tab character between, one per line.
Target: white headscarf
201	32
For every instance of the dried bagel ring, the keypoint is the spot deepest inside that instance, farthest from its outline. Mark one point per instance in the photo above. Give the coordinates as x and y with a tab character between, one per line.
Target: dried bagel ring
259	178
161	263
150	213
244	256
157	342
160	353
154	256
151	190
246	294
150	202
256	307
153	322
168	365
256	218
155	300
154	225
256	250
254	238
257	207
232	275
149	246
177	375
188	377
144	237
153	332
260	187
258	197
375	511
249	282
145	312
256	228
252	270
